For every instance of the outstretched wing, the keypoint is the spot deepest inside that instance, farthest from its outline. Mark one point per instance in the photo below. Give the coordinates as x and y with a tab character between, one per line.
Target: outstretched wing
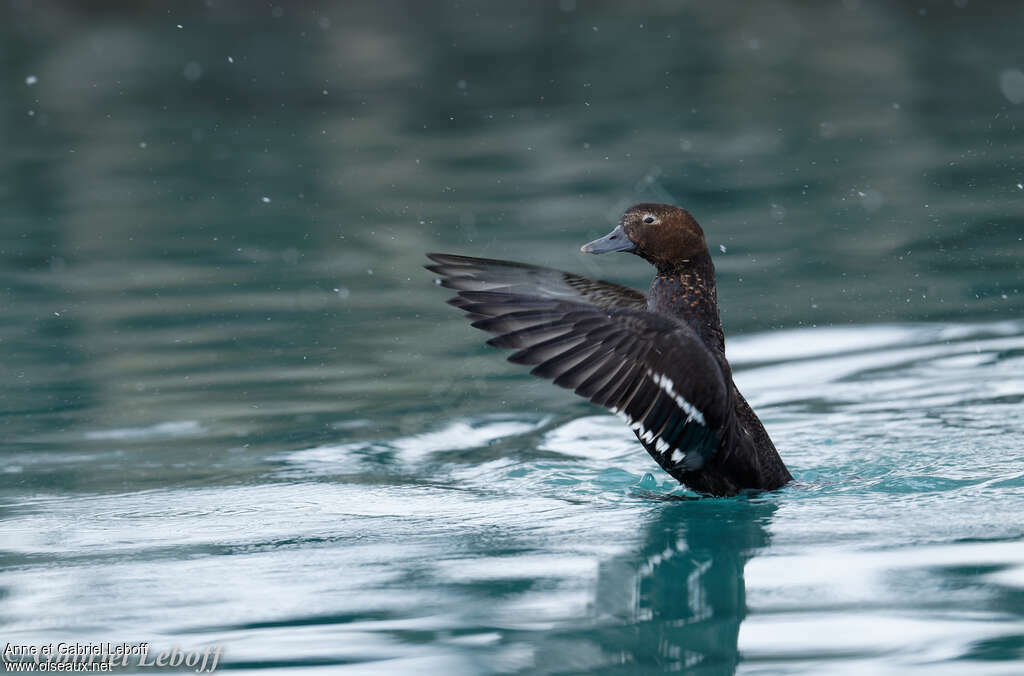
464	273
650	369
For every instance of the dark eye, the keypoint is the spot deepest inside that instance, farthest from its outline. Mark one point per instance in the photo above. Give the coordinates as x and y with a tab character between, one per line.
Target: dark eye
648	219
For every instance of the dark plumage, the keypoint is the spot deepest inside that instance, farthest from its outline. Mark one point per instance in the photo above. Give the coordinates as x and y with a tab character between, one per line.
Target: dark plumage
656	360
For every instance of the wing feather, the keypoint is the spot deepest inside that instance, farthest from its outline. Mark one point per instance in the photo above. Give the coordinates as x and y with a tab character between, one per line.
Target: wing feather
464	273
598	339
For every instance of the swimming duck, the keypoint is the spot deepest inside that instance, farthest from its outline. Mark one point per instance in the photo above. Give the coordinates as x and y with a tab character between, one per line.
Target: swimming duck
657	360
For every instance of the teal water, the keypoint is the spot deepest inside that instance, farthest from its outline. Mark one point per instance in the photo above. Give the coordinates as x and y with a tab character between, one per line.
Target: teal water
237	412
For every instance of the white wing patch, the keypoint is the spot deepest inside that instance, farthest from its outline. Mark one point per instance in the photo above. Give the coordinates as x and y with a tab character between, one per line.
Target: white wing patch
646	435
638	427
666	384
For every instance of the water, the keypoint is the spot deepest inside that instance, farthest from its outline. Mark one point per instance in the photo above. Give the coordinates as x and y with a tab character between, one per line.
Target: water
237	412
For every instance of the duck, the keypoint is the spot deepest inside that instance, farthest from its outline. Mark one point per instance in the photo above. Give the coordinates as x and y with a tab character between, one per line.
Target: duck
657	360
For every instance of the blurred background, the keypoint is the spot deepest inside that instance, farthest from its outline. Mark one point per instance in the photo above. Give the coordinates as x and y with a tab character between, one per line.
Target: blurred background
212	224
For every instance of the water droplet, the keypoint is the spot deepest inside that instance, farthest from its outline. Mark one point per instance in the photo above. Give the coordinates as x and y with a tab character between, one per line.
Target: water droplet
648	482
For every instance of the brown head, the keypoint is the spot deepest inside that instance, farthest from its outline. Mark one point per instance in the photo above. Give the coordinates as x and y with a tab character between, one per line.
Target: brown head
664	235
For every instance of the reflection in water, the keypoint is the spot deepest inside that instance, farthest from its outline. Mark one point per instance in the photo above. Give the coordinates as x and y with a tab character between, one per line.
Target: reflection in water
678	602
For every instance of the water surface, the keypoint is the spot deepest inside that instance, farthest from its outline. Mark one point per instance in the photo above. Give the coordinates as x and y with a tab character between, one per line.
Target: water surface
237	411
